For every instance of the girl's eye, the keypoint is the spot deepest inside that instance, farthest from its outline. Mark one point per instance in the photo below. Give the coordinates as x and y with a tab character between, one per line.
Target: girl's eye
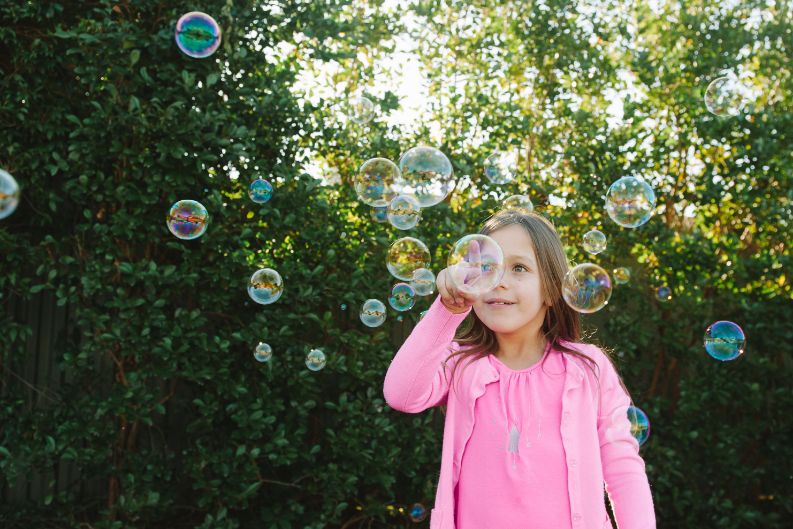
522	268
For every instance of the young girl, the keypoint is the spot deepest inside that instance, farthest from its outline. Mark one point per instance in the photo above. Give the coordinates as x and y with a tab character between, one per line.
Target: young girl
536	422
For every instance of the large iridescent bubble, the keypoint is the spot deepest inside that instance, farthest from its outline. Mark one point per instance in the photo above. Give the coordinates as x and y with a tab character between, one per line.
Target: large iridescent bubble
263	352
621	275
640	424
403	297
197	34
379	213
724	340
519	203
361	109
265	286
417	513
630	202
373	313
405	256
187	219
426	174
9	194
476	264
423	282
663	293
260	191
315	360
404	212
501	166
594	241
376	182
725	96
586	288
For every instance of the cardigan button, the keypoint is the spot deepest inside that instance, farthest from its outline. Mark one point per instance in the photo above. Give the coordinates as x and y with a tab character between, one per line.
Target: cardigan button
576	517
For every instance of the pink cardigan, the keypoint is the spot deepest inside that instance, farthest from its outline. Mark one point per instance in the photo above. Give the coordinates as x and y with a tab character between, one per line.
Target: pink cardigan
595	431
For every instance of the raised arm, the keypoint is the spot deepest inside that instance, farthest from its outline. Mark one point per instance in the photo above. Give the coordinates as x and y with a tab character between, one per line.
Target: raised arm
417	378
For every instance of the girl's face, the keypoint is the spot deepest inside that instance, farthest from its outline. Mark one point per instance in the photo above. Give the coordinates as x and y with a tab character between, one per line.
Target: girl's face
515	304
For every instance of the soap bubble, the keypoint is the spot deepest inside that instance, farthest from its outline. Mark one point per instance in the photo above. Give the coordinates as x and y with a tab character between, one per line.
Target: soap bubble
315	360
197	35
417	513
260	191
724	340
361	109
426	174
622	275
187	219
586	288
476	264
519	203
9	194
343	306
263	352
405	256
404	212
422	314
373	313
265	286
663	293
640	424
423	281
594	241
379	214
725	96
500	167
403	297
630	202
375	182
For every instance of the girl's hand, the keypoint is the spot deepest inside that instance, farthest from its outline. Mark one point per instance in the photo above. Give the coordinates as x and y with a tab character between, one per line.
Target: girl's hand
456	300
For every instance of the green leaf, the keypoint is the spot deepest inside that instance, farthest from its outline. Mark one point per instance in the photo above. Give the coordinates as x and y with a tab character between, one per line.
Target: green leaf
134	57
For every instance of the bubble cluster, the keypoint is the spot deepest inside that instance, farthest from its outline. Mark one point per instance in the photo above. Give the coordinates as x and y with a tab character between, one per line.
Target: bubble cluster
417	513
315	360
621	275
640	424
725	96
375	182
630	202
361	109
594	241
404	212
263	352
187	219
265	286
663	293
501	166
260	191
476	264
373	313
197	34
586	288
9	194
423	281
724	340
519	203
403	297
405	256
426	173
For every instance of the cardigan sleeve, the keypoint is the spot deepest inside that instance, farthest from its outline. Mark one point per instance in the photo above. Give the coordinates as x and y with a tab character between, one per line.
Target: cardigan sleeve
418	377
623	468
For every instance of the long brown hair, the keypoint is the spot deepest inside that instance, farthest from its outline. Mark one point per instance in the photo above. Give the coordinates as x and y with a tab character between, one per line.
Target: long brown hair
562	325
